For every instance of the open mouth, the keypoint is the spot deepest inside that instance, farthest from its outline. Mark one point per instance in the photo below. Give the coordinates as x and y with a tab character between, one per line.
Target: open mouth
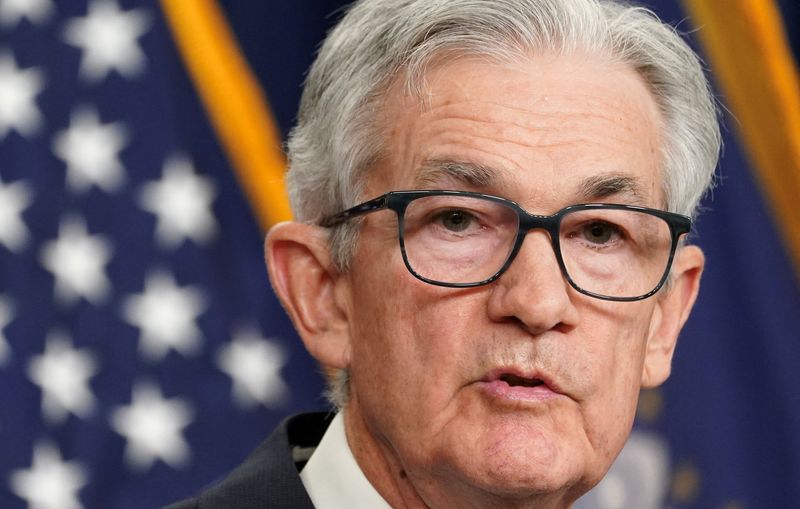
519	381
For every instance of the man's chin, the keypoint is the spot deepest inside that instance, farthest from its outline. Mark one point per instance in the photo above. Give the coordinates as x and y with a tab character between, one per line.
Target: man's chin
520	461
510	487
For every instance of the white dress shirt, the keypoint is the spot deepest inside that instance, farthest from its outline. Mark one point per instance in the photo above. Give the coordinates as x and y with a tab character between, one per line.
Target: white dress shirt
332	477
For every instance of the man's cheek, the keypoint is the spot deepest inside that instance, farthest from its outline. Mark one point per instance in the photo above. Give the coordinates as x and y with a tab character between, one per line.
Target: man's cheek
609	410
443	328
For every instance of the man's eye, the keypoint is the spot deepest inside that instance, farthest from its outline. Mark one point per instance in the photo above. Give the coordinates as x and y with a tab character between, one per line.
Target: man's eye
600	233
455	220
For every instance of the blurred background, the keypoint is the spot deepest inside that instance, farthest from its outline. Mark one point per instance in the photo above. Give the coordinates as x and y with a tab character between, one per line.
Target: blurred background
142	352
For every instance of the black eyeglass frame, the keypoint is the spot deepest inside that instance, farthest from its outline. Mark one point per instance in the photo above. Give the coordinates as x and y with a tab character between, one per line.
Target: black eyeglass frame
398	201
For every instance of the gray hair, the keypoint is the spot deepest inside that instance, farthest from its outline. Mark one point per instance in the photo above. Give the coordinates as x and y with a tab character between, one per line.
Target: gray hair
382	43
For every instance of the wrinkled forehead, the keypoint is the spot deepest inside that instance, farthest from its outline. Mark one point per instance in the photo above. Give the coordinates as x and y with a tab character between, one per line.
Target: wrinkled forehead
579	121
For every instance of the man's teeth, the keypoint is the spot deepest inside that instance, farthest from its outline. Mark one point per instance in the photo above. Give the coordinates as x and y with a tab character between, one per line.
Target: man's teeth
514	380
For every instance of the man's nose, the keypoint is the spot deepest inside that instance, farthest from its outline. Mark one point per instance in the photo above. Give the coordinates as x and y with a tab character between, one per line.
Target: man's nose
533	290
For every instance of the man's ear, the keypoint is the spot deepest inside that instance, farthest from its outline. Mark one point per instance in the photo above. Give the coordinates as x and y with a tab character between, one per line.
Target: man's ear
671	312
305	280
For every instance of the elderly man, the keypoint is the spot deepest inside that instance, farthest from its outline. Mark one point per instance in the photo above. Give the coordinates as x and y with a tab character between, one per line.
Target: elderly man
489	260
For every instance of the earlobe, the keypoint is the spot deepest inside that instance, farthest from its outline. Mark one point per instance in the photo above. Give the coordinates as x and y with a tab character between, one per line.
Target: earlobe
305	280
672	310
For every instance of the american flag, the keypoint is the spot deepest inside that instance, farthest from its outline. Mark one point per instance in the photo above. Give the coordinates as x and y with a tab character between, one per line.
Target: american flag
142	353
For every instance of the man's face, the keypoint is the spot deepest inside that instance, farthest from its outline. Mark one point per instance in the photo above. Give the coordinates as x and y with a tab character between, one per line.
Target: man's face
439	376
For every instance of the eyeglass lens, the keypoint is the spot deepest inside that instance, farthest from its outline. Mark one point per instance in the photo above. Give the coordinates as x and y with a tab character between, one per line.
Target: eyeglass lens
463	240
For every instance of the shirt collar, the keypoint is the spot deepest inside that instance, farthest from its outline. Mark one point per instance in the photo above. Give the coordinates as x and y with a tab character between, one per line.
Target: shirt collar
332	477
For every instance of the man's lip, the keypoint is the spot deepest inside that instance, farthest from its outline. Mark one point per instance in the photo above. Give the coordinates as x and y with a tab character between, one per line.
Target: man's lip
520	380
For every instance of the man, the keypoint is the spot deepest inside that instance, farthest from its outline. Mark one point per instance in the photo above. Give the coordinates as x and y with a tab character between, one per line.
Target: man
489	260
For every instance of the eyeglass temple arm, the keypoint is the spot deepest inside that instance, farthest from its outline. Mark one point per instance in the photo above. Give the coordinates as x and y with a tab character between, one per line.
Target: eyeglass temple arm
681	225
381	202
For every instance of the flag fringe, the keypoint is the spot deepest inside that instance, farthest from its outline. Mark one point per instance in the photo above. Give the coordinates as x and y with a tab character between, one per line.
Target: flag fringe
749	53
234	103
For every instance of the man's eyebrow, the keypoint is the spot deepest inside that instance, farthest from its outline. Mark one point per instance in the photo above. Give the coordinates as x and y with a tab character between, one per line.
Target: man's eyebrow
606	185
434	171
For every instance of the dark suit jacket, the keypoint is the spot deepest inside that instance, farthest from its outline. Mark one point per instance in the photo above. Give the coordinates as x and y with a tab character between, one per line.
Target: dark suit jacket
269	478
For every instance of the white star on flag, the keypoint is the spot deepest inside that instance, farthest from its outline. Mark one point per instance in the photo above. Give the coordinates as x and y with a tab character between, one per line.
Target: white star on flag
153	427
50	483
108	38
14	198
77	260
254	365
181	201
166	314
63	373
6	312
91	151
18	88
35	11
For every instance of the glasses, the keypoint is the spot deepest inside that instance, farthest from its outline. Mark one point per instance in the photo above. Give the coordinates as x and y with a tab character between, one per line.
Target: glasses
462	239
